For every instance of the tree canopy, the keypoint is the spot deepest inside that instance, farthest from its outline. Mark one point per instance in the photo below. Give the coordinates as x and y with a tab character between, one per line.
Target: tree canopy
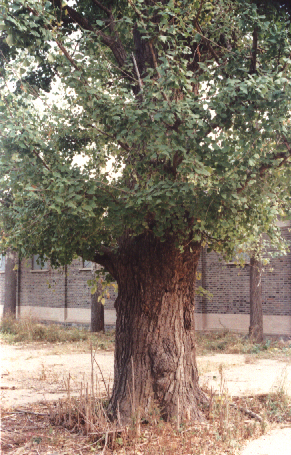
168	117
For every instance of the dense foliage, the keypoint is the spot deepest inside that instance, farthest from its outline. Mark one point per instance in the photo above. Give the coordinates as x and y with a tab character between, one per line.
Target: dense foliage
170	117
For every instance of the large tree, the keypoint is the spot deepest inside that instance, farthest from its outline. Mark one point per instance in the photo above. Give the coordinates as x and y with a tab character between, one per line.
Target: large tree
172	129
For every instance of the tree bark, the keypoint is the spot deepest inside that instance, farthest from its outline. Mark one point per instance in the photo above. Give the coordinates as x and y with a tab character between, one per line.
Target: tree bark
256	307
155	362
10	284
97	314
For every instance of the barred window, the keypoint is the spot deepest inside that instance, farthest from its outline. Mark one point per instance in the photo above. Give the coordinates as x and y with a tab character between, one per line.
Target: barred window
239	257
2	263
37	264
87	264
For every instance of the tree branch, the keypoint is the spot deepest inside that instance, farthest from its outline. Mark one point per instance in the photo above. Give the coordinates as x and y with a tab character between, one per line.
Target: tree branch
79	19
199	11
207	42
104	8
121	143
67	55
106	257
140	83
156	68
253	68
113	43
287	144
262	170
41	160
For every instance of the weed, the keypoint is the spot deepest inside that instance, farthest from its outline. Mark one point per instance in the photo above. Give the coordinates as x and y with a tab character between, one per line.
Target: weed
229	422
43	373
233	343
250	359
30	330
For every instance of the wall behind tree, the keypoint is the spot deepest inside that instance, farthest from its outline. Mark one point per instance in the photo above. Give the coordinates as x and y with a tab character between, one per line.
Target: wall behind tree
230	287
61	295
2	282
276	283
65	297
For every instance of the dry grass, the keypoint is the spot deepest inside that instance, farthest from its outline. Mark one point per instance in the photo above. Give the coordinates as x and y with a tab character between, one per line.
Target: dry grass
228	422
227	342
68	428
29	330
29	432
80	426
222	341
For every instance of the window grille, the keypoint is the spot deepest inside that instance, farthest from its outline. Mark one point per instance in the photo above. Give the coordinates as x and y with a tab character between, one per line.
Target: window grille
2	263
37	264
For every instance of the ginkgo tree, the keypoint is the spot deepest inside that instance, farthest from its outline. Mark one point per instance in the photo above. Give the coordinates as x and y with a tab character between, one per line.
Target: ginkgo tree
172	129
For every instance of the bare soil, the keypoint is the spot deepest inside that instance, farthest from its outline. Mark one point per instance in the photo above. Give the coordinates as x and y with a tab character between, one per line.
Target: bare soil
276	442
241	375
34	375
30	374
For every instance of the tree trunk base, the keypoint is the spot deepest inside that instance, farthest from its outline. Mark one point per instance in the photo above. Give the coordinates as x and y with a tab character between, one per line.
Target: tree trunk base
10	291
97	314
256	332
155	364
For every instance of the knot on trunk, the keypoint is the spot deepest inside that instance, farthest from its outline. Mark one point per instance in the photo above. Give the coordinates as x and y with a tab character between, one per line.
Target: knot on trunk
163	354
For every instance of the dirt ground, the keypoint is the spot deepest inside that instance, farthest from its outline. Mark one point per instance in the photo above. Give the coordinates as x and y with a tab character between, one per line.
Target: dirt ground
40	374
31	373
276	442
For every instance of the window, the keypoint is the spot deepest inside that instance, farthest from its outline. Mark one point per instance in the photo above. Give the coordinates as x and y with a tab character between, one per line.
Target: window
239	257
2	263
87	264
37	264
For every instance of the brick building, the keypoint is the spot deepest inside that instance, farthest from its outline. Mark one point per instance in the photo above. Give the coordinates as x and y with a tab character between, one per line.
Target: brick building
63	295
59	295
230	286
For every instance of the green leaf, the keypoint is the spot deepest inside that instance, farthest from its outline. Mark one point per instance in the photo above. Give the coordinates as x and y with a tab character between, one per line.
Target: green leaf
10	40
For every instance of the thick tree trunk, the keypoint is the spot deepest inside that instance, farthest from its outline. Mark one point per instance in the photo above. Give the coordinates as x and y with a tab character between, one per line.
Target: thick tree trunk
155	361
10	284
256	308
97	314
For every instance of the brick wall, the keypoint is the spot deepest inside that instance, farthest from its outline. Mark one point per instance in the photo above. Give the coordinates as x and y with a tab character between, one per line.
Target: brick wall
228	283
79	295
276	283
41	288
230	286
47	288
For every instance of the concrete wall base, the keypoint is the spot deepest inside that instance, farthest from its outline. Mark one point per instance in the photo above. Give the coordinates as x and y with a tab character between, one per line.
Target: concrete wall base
70	315
273	325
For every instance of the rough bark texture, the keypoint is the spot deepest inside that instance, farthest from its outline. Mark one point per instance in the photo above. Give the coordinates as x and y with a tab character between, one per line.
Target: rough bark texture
155	346
256	308
97	314
10	284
